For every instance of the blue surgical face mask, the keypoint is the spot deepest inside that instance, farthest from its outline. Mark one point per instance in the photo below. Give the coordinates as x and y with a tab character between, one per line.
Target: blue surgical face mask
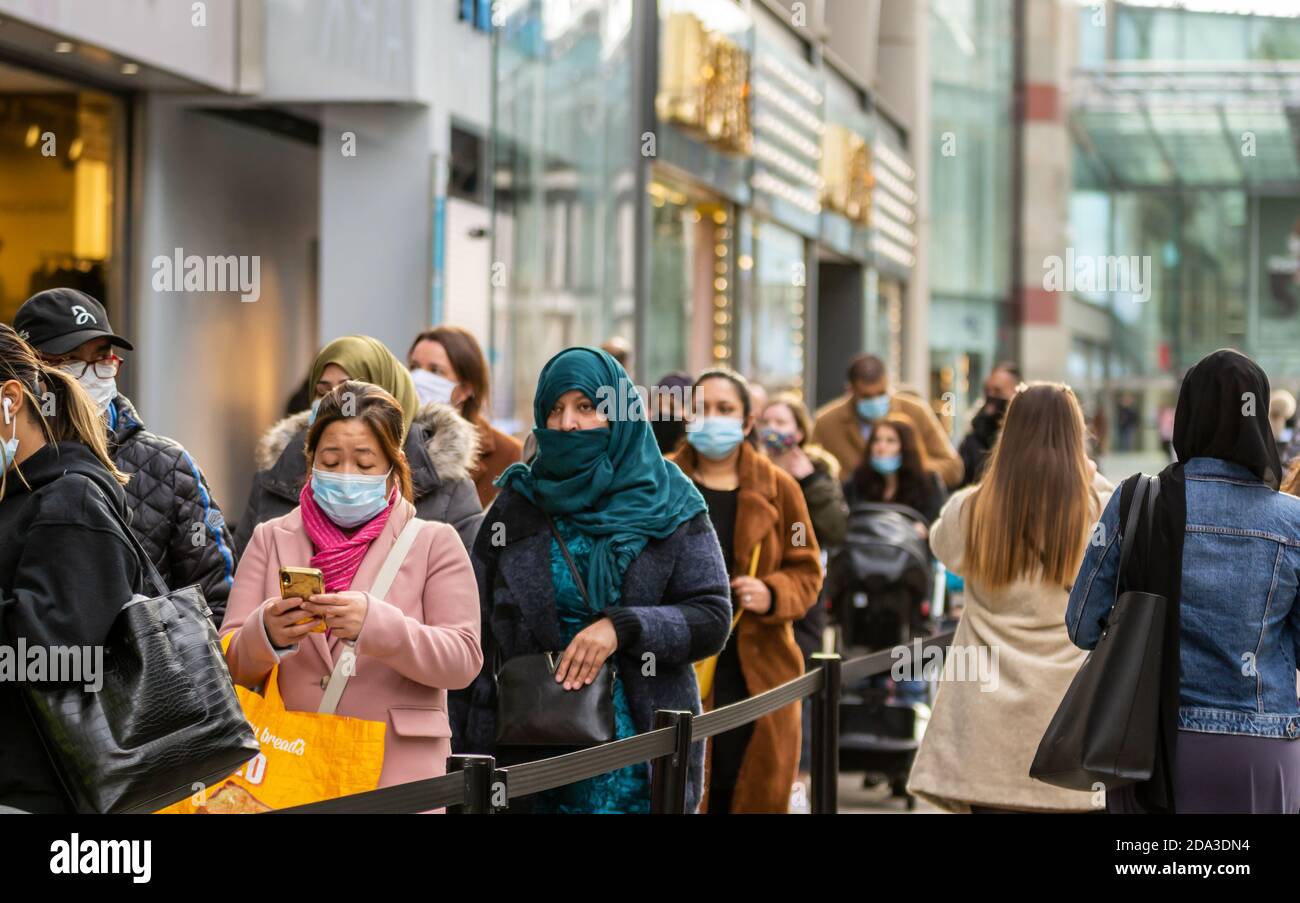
715	437
350	499
886	465
873	409
311	418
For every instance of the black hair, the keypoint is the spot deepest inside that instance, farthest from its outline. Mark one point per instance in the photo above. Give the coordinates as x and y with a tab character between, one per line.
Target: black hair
741	384
867	368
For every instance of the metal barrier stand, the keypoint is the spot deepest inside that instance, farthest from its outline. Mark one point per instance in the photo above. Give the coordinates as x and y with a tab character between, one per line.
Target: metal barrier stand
826	736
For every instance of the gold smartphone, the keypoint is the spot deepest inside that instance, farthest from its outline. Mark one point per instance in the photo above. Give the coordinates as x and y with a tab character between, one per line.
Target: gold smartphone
303	583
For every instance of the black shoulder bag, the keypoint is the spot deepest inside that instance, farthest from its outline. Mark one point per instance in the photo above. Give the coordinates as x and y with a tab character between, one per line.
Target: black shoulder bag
1106	728
166	718
534	710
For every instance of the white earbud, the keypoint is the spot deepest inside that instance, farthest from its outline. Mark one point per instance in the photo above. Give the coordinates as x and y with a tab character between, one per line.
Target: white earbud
8	403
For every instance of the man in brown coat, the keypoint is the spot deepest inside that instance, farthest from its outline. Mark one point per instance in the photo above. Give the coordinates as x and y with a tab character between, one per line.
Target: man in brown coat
844	426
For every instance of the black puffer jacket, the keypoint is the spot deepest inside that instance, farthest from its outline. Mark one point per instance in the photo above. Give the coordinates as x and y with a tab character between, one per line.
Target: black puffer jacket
441	449
173	513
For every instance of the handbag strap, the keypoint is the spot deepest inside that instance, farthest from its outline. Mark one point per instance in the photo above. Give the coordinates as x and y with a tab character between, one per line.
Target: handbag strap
1143	487
146	563
345	667
573	568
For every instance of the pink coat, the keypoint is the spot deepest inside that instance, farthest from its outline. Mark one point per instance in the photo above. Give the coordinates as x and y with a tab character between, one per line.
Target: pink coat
413	646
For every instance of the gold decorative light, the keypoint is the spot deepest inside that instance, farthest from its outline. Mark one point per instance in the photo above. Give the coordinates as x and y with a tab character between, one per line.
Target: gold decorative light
704	84
847	174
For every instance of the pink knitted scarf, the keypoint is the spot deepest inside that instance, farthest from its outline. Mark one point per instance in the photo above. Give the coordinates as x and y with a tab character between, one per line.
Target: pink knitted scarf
339	552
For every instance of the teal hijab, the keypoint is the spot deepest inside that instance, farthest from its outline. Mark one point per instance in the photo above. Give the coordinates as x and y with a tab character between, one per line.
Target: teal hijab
611	484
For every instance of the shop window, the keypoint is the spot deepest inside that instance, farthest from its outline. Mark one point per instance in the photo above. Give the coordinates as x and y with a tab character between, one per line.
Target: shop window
60	162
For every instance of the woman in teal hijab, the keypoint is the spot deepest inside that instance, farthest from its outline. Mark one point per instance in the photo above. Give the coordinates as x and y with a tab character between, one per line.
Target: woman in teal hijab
610	481
640	538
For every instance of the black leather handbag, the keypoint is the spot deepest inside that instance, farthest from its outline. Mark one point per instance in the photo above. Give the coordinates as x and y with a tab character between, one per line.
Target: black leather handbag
166	719
534	710
1106	728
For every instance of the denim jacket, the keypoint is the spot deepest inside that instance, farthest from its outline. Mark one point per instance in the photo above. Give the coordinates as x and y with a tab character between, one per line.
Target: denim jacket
1239	617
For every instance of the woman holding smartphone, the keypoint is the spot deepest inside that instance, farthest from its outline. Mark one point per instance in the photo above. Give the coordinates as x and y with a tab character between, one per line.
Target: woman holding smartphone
646	593
411	646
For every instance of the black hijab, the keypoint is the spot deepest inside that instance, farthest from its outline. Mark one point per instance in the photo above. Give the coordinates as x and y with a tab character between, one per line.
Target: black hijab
1222	413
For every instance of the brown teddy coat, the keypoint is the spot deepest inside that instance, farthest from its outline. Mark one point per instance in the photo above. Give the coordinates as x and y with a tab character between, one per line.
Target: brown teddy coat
770	511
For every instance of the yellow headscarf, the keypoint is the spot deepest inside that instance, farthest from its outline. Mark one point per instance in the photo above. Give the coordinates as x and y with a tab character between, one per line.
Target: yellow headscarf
370	361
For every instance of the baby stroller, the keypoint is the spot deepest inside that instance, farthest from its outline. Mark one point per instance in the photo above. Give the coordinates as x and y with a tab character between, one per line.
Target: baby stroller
879	585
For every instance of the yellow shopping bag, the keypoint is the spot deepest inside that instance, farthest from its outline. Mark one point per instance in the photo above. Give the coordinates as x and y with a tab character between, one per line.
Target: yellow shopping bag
306	757
705	668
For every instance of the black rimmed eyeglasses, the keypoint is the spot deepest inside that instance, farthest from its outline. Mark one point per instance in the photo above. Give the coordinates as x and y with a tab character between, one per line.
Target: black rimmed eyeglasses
104	369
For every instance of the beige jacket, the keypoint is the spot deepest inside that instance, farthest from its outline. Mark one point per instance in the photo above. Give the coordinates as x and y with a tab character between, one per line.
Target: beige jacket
839	431
979	744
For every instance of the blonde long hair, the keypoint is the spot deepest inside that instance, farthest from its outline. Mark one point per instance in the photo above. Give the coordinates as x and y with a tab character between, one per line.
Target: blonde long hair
1030	515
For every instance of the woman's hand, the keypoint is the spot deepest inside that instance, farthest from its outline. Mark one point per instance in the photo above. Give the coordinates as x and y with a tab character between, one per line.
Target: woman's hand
752	594
921	530
281	621
344	613
796	463
588	651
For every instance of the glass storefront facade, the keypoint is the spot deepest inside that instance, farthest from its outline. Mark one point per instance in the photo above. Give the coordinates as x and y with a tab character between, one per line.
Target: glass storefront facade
701	238
1189	168
565	195
63	152
971	43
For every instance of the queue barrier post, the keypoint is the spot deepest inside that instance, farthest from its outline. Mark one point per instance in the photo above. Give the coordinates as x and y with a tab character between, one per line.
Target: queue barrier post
479	773
826	736
668	784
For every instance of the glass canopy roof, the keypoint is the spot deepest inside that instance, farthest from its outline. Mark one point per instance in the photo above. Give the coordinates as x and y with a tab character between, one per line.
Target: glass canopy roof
1160	124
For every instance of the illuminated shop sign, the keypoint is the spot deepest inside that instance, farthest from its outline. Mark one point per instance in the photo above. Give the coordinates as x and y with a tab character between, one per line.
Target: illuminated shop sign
704	84
847	175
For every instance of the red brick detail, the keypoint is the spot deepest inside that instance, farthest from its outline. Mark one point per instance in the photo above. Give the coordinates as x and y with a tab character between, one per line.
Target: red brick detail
1042	103
1039	307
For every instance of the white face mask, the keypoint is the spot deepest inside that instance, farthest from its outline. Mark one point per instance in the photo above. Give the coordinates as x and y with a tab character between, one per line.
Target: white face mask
431	387
101	391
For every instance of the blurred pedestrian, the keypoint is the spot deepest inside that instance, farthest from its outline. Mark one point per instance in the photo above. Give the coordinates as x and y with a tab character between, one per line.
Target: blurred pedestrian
785	429
173	513
671	401
605	555
1222	551
620	349
975	449
757	398
440	445
895	472
413	644
1017	538
66	565
844	426
449	368
767	539
1281	408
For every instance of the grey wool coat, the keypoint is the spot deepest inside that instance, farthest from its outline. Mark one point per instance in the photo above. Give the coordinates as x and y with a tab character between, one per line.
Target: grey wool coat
441	449
675	604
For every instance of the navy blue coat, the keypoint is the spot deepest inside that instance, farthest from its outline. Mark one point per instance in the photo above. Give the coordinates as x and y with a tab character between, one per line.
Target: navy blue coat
676	604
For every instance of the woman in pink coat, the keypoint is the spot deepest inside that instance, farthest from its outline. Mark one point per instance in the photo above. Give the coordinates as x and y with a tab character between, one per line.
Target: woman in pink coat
411	646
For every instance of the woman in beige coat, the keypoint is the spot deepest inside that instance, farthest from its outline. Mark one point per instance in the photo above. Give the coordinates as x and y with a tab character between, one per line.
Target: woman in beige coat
1017	539
413	644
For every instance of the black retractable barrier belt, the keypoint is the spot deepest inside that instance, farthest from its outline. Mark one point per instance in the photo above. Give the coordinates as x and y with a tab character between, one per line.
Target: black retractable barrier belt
719	721
547	774
882	661
404	799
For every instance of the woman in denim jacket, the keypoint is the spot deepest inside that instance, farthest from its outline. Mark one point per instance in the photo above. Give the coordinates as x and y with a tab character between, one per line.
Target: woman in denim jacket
1226	544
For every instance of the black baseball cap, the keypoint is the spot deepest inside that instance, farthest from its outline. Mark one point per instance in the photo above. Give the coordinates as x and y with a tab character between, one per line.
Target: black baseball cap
61	319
